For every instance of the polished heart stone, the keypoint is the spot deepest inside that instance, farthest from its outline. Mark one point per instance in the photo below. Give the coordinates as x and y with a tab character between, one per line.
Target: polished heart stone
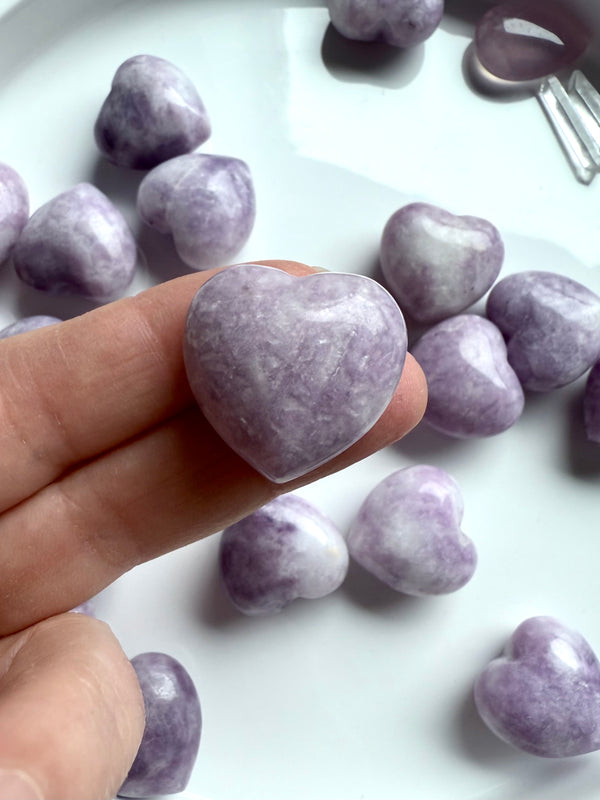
435	263
407	533
14	209
542	694
552	327
291	371
27	324
400	23
591	404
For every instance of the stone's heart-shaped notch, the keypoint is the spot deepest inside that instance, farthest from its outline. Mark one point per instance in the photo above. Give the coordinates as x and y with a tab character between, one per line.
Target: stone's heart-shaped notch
205	202
521	40
286	550
552	326
542	694
435	263
591	404
152	113
14	209
407	533
473	391
400	23
291	371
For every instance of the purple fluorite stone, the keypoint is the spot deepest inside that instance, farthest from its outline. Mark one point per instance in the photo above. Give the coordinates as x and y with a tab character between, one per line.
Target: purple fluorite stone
591	404
152	113
285	550
77	243
472	389
437	264
171	739
543	694
205	202
401	23
552	326
522	40
27	324
407	533
14	209
291	371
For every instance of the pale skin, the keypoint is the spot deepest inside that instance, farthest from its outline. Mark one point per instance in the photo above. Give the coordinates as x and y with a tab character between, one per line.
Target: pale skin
107	463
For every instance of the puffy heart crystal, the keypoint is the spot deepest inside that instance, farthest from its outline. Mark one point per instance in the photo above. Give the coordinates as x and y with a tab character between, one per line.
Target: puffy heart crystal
591	404
401	23
291	371
77	243
407	533
14	209
152	113
27	324
542	694
473	391
205	202
171	739
285	550
552	326
437	264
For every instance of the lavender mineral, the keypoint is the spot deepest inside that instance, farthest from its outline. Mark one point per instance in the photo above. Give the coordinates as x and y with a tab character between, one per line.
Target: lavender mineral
14	209
400	23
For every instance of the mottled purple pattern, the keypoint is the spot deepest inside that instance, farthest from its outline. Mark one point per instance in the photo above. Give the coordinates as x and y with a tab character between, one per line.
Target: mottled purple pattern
14	209
552	325
205	202
152	113
437	264
171	739
591	404
285	550
77	243
401	23
472	389
521	40
543	694
407	533
27	324
291	371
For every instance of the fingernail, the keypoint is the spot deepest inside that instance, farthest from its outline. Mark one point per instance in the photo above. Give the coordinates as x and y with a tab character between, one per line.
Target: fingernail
17	785
320	269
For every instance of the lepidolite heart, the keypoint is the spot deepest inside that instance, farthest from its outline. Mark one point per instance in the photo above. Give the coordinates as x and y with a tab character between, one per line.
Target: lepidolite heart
543	693
291	371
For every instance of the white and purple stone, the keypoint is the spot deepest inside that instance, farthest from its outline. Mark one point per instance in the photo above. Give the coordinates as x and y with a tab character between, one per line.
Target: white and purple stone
171	739
407	533
14	209
291	371
152	113
551	324
542	694
473	391
435	263
400	23
28	324
206	202
78	243
284	551
591	404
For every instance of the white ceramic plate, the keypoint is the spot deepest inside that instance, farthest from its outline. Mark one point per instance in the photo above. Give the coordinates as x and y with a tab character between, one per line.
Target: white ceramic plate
363	694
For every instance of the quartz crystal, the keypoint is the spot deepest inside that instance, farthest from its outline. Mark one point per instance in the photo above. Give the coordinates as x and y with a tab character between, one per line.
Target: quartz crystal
14	209
27	324
401	23
407	533
472	389
291	371
591	404
552	326
542	694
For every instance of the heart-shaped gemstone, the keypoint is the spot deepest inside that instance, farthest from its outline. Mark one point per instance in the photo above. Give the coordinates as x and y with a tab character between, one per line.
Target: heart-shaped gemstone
542	694
14	208
291	371
403	23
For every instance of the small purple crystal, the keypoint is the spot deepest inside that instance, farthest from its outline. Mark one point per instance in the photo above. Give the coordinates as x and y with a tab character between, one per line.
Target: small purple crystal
522	40
437	264
552	326
152	113
291	371
472	389
285	550
27	324
542	694
77	243
14	209
591	404
205	202
401	23
407	533
171	739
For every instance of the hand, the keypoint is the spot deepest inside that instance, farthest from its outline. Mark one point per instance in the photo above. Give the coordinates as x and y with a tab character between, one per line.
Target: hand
107	462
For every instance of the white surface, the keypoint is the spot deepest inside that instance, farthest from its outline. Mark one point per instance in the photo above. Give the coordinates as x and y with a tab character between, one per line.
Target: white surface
363	695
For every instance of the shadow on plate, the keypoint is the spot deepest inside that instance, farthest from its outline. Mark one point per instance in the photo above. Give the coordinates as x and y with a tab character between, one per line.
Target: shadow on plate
368	592
582	455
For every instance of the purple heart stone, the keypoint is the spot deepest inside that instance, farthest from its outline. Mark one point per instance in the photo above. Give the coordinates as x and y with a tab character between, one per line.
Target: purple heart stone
401	23
542	694
407	533
472	389
437	264
291	371
552	326
591	404
14	209
27	324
